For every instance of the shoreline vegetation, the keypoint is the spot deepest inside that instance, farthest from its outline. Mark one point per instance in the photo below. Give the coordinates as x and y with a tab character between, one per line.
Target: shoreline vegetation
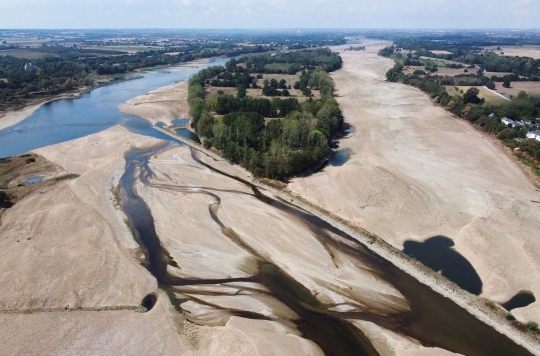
278	134
482	114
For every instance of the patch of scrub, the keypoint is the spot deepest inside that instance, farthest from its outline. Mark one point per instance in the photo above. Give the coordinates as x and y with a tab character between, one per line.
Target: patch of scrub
32	180
438	254
339	157
520	300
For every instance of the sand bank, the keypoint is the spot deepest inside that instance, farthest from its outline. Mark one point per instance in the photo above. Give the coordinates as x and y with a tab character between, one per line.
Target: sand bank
415	171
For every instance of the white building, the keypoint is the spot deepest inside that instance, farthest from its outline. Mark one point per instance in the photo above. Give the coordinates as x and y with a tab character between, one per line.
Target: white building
508	121
534	134
30	66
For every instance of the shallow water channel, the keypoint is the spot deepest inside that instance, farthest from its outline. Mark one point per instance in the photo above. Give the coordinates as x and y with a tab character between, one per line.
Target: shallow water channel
434	320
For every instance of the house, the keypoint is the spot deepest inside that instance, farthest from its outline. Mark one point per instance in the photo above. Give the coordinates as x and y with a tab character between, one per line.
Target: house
492	116
30	67
508	122
534	134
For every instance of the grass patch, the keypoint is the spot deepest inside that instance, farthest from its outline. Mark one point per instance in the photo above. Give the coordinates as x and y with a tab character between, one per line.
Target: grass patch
430	63
529	164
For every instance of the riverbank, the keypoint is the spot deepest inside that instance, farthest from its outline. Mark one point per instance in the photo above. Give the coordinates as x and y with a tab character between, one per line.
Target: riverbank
12	117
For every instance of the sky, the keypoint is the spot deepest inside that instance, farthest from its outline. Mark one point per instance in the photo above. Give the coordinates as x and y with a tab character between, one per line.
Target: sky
448	14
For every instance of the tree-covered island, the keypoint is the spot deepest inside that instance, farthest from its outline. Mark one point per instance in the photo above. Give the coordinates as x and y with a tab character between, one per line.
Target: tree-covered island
274	114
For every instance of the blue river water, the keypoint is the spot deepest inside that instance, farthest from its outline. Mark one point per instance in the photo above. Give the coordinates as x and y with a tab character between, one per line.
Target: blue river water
68	119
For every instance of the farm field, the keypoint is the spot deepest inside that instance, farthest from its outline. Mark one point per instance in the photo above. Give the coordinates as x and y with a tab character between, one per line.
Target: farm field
484	93
516	87
440	70
25	53
440	62
257	93
129	49
522	51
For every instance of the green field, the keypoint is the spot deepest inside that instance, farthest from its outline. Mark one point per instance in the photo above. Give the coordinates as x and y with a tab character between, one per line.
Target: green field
429	62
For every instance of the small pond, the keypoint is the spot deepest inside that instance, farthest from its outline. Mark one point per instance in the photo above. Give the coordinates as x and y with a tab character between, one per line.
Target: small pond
339	157
32	180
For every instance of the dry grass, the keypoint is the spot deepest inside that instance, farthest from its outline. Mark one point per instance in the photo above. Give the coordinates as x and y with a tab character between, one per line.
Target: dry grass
441	52
211	92
484	93
498	74
512	51
529	87
441	70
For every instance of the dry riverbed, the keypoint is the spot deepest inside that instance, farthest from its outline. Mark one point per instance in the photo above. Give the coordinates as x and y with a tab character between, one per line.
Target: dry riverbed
81	254
415	172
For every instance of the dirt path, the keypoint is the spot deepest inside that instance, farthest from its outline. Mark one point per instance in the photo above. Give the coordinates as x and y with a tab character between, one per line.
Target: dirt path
416	172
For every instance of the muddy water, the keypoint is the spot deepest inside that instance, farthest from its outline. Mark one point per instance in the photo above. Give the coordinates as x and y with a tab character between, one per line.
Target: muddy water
434	320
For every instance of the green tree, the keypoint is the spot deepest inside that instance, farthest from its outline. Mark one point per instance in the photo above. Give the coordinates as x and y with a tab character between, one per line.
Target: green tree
506	82
205	124
471	96
241	91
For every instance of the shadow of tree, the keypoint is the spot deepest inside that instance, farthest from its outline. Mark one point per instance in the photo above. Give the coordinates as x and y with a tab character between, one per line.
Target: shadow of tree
438	254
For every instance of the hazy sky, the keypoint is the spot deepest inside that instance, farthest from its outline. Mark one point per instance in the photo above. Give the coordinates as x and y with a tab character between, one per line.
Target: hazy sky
269	13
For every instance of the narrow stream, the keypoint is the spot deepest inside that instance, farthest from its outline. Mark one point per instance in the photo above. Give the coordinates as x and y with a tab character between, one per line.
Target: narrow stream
434	320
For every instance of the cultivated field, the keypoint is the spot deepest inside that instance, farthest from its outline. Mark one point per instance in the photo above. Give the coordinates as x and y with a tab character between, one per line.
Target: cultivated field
515	87
440	62
440	70
522	51
490	96
257	93
25	53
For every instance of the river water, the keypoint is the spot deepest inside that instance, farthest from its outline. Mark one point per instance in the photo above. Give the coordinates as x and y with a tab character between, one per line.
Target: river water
97	110
434	320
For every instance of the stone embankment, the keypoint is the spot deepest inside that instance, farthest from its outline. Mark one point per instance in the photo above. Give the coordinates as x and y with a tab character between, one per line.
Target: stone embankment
135	308
475	305
191	143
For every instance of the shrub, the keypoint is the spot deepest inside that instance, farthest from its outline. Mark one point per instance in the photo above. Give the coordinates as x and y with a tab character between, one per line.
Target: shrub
532	325
510	317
